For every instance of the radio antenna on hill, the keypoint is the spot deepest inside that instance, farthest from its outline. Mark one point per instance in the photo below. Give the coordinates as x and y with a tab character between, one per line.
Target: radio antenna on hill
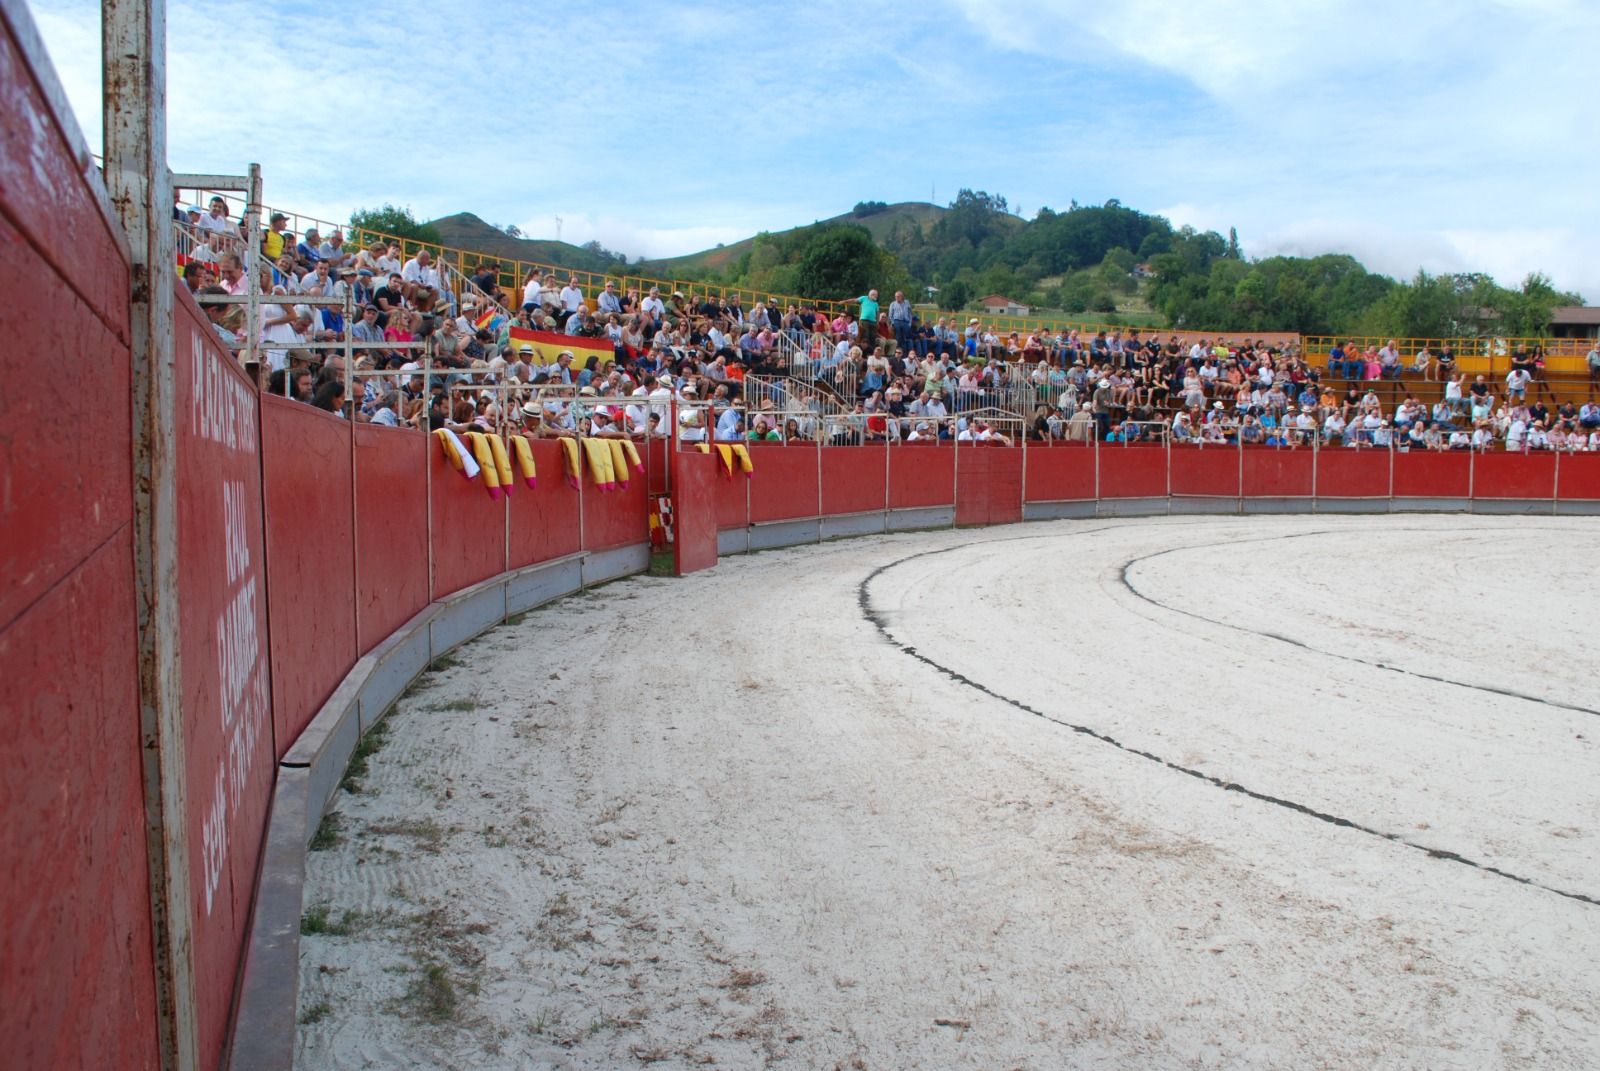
558	228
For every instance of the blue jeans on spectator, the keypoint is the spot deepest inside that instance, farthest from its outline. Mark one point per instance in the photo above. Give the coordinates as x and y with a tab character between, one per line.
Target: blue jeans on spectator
902	334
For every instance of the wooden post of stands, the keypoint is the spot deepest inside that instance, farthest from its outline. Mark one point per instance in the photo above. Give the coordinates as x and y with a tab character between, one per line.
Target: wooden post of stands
134	53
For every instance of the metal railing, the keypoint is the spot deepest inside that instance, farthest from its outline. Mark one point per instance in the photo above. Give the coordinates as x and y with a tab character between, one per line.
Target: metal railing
1474	356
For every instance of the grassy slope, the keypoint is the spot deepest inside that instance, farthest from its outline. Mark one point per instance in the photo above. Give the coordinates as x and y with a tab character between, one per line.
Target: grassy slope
466	231
919	212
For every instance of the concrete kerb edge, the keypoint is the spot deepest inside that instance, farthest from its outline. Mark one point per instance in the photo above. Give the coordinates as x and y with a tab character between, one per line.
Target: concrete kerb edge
264	1030
919	518
769	535
1064	509
308	776
732	541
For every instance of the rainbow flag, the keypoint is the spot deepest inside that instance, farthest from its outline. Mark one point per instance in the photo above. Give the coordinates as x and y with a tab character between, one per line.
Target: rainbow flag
489	321
547	345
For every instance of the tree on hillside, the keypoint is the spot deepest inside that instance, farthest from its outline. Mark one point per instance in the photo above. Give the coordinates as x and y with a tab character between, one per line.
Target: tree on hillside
611	256
393	220
842	261
954	295
1426	307
1525	312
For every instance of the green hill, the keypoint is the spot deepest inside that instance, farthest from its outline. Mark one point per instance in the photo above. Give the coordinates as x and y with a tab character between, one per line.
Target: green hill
466	231
877	221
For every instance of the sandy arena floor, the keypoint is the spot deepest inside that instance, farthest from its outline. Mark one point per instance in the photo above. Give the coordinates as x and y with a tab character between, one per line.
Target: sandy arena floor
1304	792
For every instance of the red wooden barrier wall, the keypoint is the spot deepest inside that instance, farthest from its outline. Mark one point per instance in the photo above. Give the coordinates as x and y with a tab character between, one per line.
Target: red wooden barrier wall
391	538
77	982
1132	471
544	520
1514	476
310	559
730	497
694	477
227	696
1277	473
1059	474
853	479
1349	472
657	460
1205	471
922	475
784	485
1579	478
1422	474
469	528
618	518
988	484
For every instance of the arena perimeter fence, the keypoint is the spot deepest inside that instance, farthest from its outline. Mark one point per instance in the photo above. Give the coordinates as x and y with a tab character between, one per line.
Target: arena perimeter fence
310	569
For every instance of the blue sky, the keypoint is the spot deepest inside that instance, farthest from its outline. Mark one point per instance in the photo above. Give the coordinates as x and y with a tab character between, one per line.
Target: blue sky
1456	136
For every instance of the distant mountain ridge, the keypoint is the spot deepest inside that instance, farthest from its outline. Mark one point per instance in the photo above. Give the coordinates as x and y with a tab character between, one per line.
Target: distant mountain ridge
466	231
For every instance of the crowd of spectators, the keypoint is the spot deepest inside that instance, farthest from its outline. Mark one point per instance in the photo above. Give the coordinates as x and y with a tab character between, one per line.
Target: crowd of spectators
871	372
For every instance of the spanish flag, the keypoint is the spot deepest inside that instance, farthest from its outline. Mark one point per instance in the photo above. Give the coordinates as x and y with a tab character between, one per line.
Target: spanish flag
547	346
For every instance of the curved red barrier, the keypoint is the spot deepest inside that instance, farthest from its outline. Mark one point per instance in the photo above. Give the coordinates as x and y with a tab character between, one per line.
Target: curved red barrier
853	479
1432	474
391	541
693	484
988	484
1578	478
1514	475
731	497
544	519
1352	472
921	476
311	577
784	486
1277	472
618	518
657	454
1059	474
77	977
1205	471
469	528
227	584
1135	471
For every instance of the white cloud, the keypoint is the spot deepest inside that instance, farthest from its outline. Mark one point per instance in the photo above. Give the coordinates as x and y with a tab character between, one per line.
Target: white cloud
1447	135
627	236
